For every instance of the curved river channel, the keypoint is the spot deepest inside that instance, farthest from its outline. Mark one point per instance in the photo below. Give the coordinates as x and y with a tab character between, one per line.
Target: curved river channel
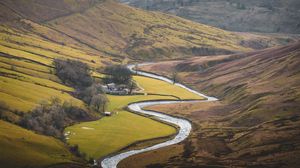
183	125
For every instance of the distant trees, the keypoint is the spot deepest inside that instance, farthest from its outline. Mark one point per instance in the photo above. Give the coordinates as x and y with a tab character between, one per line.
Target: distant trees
73	72
118	74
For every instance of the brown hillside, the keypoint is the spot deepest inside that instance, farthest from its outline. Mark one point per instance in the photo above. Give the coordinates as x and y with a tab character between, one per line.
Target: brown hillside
115	30
255	123
41	10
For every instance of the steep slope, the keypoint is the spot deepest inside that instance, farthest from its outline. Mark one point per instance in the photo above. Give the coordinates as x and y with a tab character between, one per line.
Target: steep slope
128	32
147	35
23	148
143	35
267	79
255	123
41	10
236	15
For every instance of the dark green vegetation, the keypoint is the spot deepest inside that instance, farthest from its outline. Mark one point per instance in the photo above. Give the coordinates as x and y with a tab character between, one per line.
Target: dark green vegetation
255	123
78	75
269	16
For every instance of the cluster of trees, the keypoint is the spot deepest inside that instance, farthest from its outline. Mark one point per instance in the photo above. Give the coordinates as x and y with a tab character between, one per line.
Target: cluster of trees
94	97
50	118
77	74
72	72
118	74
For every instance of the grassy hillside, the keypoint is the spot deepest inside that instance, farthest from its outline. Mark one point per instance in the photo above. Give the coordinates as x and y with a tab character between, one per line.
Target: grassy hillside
96	26
132	32
255	123
23	148
27	74
27	78
42	10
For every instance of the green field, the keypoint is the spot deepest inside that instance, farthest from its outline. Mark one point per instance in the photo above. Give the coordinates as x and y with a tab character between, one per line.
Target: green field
22	148
110	134
160	87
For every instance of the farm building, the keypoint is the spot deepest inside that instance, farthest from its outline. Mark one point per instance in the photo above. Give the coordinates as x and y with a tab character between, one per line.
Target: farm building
113	88
107	113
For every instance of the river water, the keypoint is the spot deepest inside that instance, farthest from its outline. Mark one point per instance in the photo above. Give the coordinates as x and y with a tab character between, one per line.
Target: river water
184	126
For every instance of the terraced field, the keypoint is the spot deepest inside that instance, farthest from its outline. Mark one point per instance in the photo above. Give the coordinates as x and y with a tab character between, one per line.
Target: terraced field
27	78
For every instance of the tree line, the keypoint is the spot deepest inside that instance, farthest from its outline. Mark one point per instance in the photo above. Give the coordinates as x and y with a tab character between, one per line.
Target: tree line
50	118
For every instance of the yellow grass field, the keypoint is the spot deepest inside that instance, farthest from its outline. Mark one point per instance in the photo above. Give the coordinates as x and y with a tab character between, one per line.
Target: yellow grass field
111	134
23	148
27	76
160	87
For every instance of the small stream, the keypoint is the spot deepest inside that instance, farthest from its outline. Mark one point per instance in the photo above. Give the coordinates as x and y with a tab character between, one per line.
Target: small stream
184	126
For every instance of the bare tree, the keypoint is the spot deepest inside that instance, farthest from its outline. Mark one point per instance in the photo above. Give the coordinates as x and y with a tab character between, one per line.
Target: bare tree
136	66
174	77
99	102
131	87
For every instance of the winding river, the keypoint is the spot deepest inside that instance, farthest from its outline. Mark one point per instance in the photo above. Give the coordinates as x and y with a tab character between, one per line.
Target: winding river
184	126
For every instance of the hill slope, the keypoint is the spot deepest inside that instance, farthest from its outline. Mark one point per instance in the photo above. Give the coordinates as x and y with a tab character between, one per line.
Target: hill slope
22	148
236	15
98	27
255	123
